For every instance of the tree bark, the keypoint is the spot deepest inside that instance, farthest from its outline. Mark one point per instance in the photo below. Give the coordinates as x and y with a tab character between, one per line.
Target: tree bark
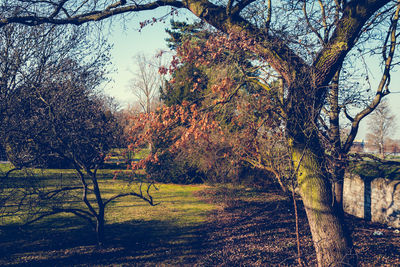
339	172
335	141
101	208
332	241
100	228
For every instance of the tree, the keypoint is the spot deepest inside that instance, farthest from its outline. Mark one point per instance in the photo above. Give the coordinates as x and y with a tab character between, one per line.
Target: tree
51	112
393	147
306	49
64	119
31	57
381	125
243	117
146	83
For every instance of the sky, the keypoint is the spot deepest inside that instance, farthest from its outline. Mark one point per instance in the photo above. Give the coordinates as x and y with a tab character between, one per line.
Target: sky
128	41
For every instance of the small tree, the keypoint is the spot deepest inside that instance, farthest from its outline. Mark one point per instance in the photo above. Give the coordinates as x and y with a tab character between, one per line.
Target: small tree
381	126
67	121
50	110
146	82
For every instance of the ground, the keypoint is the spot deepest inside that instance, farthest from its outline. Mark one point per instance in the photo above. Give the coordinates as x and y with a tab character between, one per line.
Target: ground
245	227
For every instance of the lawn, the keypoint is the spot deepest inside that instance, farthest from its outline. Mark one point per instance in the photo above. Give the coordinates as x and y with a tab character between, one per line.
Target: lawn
193	225
132	225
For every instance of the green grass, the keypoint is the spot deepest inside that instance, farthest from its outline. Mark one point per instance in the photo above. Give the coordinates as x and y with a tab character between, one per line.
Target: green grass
131	224
173	201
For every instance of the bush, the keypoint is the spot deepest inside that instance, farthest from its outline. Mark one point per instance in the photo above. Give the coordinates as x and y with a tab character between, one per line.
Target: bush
168	169
256	177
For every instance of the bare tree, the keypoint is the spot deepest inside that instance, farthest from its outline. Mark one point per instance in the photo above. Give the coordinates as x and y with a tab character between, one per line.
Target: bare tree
64	119
393	147
381	125
306	49
146	82
50	110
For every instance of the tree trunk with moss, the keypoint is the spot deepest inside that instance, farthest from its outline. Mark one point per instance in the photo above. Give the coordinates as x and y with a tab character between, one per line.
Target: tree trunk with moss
332	241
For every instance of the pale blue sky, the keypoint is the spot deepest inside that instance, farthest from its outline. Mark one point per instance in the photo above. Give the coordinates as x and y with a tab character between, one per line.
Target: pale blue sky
129	41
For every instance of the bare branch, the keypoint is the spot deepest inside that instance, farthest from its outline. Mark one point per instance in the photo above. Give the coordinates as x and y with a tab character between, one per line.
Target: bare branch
309	23
324	23
116	4
85	191
269	15
343	39
350	118
78	212
229	8
53	193
148	198
12	170
382	89
59	7
112	10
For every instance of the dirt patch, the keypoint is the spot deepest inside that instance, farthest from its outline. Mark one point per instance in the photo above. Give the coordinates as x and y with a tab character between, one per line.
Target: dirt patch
260	231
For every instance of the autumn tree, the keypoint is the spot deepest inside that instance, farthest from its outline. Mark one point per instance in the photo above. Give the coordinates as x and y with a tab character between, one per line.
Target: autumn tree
243	117
381	126
306	49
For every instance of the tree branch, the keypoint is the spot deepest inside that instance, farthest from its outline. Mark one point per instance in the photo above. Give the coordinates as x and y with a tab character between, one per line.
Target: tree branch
382	89
349	27
85	189
53	193
116	4
324	23
269	16
240	6
112	10
59	7
12	170
140	195
309	23
229	8
274	50
348	116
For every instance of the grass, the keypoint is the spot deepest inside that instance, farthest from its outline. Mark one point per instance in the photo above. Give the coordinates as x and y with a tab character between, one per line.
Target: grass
194	225
132	225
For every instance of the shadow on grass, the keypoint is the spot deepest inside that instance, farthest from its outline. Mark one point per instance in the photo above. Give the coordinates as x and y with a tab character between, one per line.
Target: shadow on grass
252	229
55	242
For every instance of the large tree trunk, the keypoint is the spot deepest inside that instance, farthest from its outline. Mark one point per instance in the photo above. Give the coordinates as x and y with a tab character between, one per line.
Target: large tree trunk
332	242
